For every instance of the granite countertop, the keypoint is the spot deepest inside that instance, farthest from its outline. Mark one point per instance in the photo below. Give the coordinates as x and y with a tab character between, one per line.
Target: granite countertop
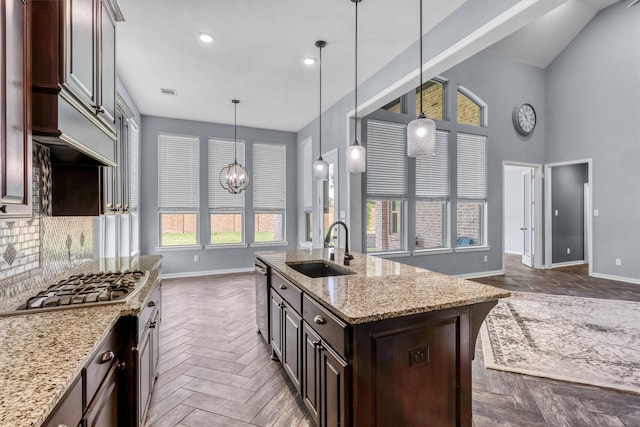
381	288
41	354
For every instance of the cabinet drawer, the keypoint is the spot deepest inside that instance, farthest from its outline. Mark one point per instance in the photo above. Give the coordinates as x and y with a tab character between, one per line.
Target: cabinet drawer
69	411
148	309
97	368
329	327
288	291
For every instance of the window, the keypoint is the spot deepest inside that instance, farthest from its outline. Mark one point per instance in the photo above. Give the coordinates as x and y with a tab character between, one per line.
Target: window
394	106
471	109
178	189
472	190
386	185
269	192
307	192
432	196
433	96
226	210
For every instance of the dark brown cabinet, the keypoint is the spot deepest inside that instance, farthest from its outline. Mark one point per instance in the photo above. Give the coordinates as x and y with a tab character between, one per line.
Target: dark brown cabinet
104	409
15	113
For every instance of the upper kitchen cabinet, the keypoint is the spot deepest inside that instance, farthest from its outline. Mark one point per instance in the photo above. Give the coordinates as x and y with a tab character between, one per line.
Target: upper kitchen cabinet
15	95
74	101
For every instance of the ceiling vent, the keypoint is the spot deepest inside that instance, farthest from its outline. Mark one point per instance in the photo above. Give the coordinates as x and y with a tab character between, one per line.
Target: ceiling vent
169	92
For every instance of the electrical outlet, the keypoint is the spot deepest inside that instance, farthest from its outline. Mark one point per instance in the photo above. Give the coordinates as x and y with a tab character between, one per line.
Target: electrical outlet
568	250
486	258
196	258
618	261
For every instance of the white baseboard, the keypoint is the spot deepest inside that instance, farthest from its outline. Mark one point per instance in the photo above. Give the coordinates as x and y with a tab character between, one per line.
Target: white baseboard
480	274
616	278
206	273
513	252
568	263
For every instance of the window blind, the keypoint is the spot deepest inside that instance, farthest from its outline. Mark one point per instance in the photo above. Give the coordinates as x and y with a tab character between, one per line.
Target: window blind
432	173
472	166
386	158
178	172
133	166
221	153
307	180
269	177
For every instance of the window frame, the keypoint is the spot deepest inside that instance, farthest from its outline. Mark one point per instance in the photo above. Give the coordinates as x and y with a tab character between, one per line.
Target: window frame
484	115
259	211
483	220
403	215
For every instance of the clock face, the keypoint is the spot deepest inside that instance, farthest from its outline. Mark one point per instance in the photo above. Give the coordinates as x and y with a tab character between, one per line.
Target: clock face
524	119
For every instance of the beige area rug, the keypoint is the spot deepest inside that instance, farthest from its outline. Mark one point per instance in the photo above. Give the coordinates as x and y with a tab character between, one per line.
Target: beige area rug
582	340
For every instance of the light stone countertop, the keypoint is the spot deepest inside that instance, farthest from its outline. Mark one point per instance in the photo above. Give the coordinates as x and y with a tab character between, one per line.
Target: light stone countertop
41	354
381	288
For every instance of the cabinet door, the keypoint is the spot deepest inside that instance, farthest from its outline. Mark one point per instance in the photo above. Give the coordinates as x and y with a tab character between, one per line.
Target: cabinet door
333	381
275	326
15	135
103	410
310	370
107	64
155	347
144	375
81	50
291	340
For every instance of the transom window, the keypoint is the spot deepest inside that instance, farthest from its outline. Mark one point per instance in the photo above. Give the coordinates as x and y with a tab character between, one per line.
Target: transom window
471	110
433	96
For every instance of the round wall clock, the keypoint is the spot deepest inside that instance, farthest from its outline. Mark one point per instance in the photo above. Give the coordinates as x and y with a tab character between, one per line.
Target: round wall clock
524	119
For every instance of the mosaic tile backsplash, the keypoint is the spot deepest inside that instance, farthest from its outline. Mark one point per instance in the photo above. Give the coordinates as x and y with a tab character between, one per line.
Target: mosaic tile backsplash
42	248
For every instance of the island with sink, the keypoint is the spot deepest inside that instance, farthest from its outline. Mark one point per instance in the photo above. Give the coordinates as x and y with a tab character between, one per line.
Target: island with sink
373	342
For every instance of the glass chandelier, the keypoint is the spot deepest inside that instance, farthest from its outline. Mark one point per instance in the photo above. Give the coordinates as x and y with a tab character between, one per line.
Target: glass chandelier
234	178
421	132
320	166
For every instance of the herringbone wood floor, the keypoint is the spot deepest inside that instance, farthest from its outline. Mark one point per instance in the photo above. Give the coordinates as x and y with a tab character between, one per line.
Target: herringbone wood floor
215	370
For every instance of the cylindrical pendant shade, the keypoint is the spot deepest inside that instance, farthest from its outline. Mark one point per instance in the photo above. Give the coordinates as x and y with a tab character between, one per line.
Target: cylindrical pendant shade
421	137
321	169
356	159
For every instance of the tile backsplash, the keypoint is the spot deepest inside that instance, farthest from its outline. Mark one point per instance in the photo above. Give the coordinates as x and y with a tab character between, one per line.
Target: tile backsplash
41	248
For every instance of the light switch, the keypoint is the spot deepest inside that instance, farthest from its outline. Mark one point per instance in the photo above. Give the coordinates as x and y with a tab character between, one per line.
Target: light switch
343	215
596	212
556	212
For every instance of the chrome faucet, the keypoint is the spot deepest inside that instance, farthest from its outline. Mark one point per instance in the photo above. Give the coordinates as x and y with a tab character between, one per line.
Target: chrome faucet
347	255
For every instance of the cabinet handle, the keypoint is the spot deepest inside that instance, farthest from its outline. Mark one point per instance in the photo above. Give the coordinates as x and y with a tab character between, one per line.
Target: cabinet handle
319	320
99	109
3	208
107	356
152	325
152	303
315	344
281	305
283	287
62	425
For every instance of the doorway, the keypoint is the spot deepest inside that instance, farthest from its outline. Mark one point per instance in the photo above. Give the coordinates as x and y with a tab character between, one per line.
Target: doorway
327	203
522	214
567	216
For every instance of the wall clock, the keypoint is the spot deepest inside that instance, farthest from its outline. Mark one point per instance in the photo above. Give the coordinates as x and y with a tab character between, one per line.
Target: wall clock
524	119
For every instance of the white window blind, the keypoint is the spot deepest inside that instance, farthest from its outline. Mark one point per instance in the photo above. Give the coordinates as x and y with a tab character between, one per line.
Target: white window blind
307	180
178	172
133	165
221	153
472	166
269	177
432	173
386	158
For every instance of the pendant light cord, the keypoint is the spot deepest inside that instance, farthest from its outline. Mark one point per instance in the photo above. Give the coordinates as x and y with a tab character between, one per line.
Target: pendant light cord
421	95
355	126
320	96
235	131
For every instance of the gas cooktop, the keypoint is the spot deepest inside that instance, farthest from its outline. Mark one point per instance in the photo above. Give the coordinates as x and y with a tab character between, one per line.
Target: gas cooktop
87	290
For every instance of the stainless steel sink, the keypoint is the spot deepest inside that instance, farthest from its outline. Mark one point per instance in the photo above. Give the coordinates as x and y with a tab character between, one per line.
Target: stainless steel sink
319	269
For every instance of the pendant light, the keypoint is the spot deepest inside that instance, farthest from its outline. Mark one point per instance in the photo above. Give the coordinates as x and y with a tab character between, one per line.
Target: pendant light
320	167
421	132
234	178
356	153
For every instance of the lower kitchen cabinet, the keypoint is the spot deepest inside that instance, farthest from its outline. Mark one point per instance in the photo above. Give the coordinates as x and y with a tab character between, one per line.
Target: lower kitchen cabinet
104	410
285	336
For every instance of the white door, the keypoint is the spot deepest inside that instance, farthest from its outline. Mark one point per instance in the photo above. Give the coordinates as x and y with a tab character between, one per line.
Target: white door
527	218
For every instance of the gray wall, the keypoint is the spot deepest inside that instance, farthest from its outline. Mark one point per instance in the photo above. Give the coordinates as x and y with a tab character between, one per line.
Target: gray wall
593	111
182	261
567	199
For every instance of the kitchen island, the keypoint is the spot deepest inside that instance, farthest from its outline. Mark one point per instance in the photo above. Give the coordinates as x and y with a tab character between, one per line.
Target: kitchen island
384	344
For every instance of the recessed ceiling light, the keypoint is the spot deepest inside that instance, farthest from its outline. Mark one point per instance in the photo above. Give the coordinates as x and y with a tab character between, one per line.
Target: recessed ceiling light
309	61
206	38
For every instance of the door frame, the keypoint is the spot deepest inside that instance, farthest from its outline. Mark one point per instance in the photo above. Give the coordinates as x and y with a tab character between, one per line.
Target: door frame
548	237
538	212
330	156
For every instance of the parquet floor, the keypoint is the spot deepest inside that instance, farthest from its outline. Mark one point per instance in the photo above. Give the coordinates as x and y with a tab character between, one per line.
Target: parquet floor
215	370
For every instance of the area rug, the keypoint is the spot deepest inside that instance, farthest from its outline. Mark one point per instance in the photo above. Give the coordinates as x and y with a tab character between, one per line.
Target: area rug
581	340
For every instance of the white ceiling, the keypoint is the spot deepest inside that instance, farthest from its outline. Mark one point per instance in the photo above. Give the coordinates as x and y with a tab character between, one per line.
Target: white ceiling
259	47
